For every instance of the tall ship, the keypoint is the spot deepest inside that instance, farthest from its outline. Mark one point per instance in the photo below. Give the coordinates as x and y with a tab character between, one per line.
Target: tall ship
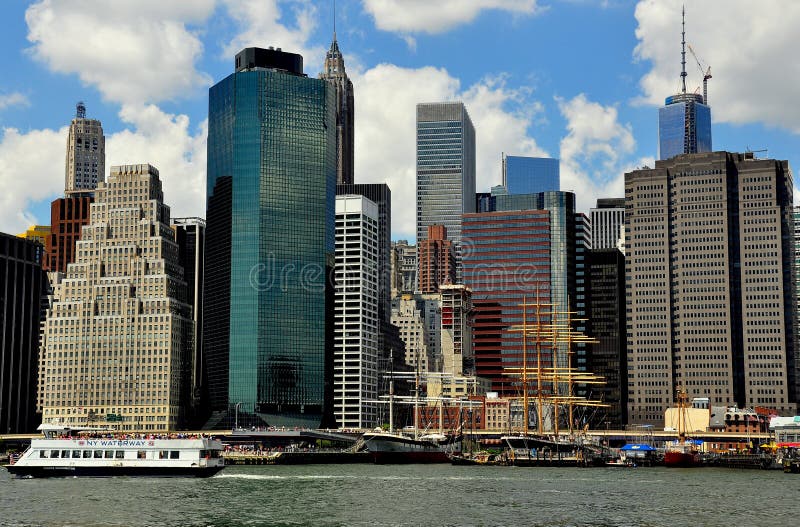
682	452
67	451
397	448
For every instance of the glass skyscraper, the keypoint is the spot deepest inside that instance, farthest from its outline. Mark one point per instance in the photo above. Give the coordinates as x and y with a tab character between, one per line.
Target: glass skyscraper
270	234
445	169
528	175
684	126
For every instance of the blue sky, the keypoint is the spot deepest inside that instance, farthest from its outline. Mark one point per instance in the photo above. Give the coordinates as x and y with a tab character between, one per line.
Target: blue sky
580	80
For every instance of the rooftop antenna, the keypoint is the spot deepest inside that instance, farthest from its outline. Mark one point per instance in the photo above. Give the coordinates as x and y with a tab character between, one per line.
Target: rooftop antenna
683	49
334	20
80	110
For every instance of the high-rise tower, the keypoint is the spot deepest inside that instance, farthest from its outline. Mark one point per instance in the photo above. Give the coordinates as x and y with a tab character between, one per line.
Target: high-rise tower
270	234
86	153
684	122
334	72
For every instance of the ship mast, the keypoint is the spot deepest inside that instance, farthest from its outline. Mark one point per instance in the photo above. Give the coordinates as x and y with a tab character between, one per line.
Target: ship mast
525	410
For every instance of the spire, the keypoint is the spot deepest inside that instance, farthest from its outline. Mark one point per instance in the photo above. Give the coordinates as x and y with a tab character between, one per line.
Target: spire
334	22
80	110
683	49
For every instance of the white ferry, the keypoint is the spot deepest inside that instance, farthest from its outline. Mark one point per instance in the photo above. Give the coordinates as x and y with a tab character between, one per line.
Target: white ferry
81	451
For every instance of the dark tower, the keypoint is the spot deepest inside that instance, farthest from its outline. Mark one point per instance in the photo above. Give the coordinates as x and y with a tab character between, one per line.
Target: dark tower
334	72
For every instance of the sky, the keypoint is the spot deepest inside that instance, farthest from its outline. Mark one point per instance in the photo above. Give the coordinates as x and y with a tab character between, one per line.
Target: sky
579	80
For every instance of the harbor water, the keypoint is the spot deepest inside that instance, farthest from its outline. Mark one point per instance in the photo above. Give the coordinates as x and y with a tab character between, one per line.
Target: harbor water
370	495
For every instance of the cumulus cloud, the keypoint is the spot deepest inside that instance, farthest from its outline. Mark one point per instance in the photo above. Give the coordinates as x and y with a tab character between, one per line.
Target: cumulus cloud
752	57
385	133
260	25
412	16
8	100
167	142
32	170
596	152
132	51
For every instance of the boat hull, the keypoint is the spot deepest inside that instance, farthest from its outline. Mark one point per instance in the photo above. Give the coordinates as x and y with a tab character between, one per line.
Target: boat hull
681	459
389	449
99	471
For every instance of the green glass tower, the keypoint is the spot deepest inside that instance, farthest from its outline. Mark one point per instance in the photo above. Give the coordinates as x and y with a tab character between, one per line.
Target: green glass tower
268	333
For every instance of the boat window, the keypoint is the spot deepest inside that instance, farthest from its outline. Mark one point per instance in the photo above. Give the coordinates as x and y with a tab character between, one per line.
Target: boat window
65	453
98	454
108	454
141	454
43	453
119	454
76	454
162	454
87	454
54	453
174	454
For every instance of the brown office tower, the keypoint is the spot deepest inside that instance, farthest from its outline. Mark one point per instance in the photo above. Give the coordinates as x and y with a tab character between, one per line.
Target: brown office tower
436	260
67	216
709	283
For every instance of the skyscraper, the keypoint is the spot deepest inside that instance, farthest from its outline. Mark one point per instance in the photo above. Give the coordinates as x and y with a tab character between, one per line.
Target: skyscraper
607	218
355	373
334	72
684	122
445	169
436	260
710	283
270	236
23	284
67	217
404	268
529	175
117	337
797	296
86	153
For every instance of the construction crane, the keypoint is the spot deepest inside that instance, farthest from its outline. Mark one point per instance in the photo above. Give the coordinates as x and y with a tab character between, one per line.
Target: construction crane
706	72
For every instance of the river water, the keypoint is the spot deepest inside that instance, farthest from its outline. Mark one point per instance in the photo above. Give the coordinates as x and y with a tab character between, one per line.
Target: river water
369	495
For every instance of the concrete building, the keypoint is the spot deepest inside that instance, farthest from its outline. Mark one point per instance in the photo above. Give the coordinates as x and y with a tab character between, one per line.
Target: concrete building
334	72
710	283
529	175
23	286
404	268
355	373
409	316
270	242
608	220
86	154
456	332
117	340
436	256
582	294
445	169
797	298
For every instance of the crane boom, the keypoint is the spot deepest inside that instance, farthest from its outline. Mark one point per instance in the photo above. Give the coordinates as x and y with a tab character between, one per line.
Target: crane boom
706	72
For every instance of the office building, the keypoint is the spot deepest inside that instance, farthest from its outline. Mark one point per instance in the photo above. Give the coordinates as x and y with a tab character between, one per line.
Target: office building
445	169
23	285
797	296
456	332
36	233
408	314
116	342
608	357
355	373
334	72
270	237
579	308
86	153
436	256
190	235
710	283
67	217
404	268
608	219
530	175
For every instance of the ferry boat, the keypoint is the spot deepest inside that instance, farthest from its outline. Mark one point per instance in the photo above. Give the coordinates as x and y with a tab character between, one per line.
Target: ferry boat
66	451
395	448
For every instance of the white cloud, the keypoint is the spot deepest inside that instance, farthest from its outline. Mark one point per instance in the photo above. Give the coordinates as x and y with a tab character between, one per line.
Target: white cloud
752	56
385	132
132	51
596	152
13	99
260	25
166	142
410	16
31	170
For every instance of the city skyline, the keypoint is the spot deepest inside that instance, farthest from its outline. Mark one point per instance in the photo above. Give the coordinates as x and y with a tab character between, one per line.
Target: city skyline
591	99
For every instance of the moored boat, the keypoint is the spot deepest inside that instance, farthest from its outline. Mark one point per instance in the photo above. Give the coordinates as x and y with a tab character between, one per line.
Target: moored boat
683	452
387	448
67	451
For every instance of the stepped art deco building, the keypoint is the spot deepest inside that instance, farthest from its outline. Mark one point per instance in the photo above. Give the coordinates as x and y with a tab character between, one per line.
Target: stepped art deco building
270	242
709	275
116	343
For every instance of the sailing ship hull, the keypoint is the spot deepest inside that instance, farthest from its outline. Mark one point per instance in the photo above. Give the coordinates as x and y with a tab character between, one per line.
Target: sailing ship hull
391	449
681	459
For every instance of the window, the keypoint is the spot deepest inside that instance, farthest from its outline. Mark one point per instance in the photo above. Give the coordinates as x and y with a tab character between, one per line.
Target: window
108	454
54	453
87	454
76	454
98	454
174	454
141	454
119	454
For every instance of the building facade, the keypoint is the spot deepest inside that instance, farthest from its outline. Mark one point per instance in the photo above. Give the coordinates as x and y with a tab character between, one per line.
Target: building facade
608	219
456	333
334	72
408	314
67	217
710	291
530	175
445	169
86	153
404	268
270	238
355	373
436	256
684	126
36	233
116	344
23	285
